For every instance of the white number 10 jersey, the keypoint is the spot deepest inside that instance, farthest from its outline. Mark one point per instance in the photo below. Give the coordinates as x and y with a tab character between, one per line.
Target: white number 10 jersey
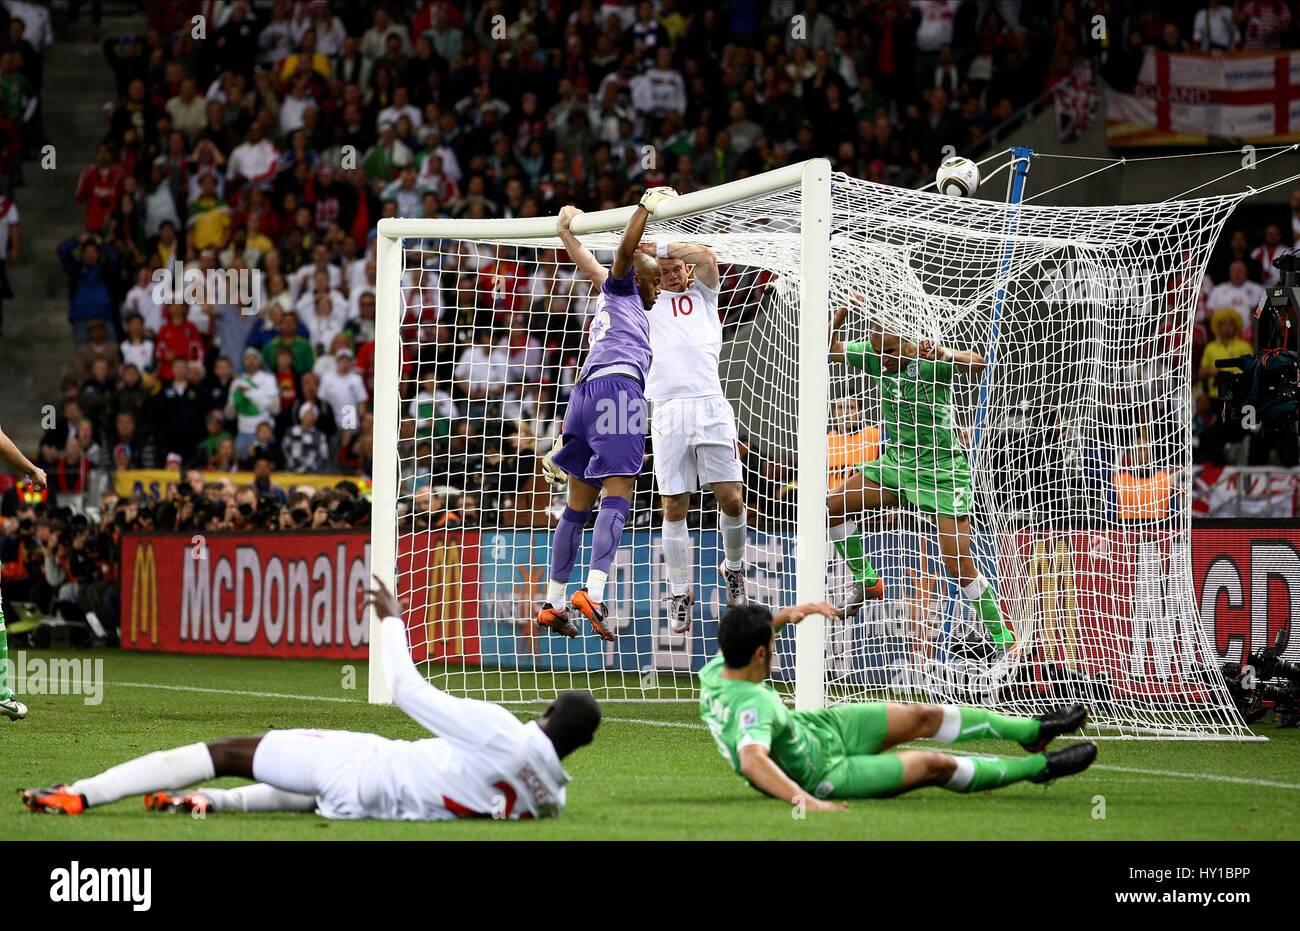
686	339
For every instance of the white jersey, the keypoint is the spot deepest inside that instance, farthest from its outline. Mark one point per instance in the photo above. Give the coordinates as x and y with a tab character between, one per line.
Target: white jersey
686	339
484	761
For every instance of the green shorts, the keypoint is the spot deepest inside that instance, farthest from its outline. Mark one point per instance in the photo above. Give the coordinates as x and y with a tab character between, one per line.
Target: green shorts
939	485
863	771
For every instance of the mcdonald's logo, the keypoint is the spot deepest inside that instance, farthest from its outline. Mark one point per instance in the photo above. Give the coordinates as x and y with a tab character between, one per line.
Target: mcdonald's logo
444	611
1051	589
144	593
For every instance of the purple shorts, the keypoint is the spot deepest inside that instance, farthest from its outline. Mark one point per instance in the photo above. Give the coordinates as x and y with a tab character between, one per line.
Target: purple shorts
604	430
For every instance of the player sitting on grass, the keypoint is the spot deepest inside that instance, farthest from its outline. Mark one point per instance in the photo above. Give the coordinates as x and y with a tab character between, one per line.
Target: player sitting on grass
693	425
602	445
923	462
10	706
836	753
484	761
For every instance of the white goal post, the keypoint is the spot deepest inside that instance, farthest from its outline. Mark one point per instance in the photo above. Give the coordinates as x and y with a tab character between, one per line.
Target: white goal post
1069	447
812	179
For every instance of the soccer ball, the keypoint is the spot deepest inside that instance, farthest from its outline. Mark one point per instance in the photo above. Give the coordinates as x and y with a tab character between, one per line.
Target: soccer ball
958	177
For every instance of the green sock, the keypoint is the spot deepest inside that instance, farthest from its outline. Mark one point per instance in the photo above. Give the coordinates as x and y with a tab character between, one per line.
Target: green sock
979	774
855	555
5	694
982	724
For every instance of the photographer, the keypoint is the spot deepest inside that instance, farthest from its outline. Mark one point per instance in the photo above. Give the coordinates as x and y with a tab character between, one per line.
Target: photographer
1261	391
297	514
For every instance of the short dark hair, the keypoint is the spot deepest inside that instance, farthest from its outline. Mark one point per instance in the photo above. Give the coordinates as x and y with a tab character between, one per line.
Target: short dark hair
743	630
571	721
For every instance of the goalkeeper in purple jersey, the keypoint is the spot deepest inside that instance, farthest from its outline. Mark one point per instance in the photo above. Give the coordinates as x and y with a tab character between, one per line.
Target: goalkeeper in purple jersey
602	447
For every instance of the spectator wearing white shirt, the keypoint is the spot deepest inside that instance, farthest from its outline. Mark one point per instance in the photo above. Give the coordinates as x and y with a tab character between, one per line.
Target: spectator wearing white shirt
1214	28
345	390
325	317
254	160
434	146
329	29
400	107
189	111
375	41
140	301
278	40
298	101
36	23
305	277
662	89
1238	293
482	372
935	30
137	349
522	353
406	191
254	398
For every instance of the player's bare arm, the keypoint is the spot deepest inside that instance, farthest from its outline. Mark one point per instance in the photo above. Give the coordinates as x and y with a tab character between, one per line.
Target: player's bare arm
964	360
763	774
14	457
837	350
700	259
627	246
796	613
579	254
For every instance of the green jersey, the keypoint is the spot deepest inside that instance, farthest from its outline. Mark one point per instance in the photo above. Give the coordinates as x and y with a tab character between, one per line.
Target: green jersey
916	402
739	713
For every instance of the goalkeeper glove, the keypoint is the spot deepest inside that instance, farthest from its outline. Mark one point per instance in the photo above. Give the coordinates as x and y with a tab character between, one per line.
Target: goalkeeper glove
550	471
655	196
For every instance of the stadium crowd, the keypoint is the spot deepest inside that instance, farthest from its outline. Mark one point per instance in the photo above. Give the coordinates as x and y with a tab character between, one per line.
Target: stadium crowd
267	144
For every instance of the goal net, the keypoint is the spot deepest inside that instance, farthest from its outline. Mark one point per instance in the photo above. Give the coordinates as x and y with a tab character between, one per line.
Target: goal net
1069	450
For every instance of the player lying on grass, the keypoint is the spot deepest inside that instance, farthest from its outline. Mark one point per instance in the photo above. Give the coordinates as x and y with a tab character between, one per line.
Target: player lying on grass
10	706
602	444
484	761
693	425
923	462
837	753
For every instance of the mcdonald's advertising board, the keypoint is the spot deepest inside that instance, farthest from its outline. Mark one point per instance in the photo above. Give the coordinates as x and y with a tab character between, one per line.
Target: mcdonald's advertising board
258	594
470	597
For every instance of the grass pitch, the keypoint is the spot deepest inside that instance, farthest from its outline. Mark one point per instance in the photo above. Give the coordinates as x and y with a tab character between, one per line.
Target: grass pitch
653	772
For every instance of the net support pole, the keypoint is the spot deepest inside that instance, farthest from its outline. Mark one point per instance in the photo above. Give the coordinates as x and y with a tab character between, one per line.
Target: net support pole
814	398
388	365
1020	158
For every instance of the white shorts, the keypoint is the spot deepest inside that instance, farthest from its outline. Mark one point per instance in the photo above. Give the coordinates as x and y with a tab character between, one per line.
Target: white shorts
694	444
330	765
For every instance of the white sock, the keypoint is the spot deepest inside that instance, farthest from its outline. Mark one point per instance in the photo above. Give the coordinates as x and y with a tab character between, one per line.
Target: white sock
962	776
734	533
677	556
975	588
596	584
841	532
950	729
164	769
258	797
555	592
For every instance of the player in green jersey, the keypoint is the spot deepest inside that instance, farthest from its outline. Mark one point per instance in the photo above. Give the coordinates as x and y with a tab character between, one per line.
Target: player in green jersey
10	454
923	462
807	757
